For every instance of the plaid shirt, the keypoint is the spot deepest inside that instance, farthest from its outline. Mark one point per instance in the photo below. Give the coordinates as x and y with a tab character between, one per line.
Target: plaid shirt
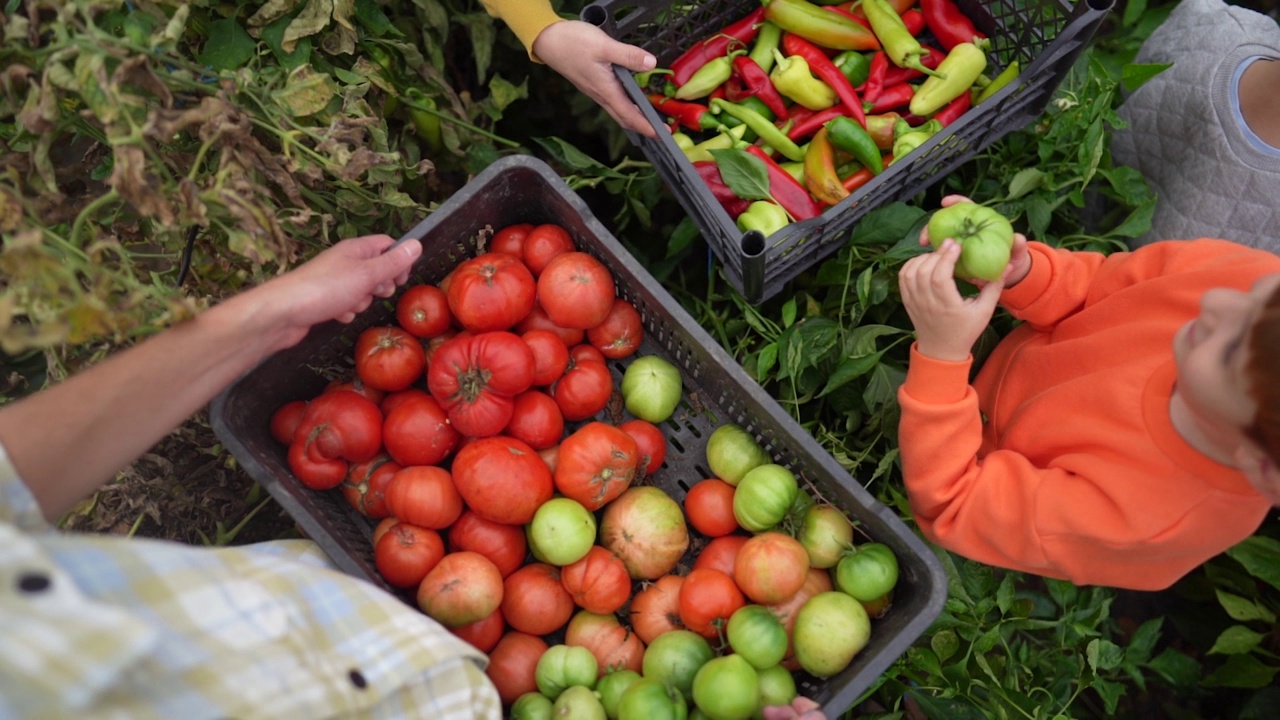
108	627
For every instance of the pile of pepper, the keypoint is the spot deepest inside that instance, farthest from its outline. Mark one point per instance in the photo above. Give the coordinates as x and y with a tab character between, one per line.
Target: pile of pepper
824	96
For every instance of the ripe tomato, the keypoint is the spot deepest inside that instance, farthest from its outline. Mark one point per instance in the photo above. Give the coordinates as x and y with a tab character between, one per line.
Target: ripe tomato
433	344
406	553
505	545
484	633
474	379
490	292
381	529
365	486
551	456
537	320
550	356
576	290
656	608
462	588
388	358
502	479
342	425
613	645
510	239
424	495
544	244
313	469
583	390
357	386
651	445
597	463
584	352
598	582
645	528
771	567
621	332
417	432
423	311
708	598
512	662
284	421
536	419
709	505
721	554
394	400
535	601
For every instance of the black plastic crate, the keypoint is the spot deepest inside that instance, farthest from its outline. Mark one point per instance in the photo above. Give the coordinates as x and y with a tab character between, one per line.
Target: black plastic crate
522	189
1044	36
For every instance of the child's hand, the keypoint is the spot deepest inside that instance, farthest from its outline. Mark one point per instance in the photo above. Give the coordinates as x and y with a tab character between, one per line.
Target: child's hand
802	708
947	324
1019	258
584	54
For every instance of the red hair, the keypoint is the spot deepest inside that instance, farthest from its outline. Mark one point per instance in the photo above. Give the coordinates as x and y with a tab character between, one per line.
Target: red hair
1263	374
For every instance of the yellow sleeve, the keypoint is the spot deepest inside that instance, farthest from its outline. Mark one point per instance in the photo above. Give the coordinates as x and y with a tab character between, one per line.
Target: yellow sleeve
526	18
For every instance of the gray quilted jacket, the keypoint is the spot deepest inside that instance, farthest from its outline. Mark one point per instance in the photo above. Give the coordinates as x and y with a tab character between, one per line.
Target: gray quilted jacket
1183	135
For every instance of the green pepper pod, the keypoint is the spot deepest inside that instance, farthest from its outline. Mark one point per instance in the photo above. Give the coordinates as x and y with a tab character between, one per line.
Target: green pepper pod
707	78
766	42
726	139
962	66
899	44
767	131
998	83
765	216
855	66
792	78
850	137
794	169
820	26
912	138
426	124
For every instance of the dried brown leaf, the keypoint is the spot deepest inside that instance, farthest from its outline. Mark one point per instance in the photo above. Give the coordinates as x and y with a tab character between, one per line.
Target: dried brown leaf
129	178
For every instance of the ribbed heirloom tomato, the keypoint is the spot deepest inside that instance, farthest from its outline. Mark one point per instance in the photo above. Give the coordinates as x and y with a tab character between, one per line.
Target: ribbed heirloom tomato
490	292
598	582
534	599
474	378
337	428
424	495
502	479
365	486
656	608
771	567
596	464
613	645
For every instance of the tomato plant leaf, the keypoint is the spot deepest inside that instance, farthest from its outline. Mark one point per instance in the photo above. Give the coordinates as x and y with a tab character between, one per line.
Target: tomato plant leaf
944	644
944	708
767	359
1103	655
273	35
1259	555
1242	671
1025	181
483	36
1135	75
850	369
1242	609
373	20
744	173
228	47
1236	640
1110	691
789	313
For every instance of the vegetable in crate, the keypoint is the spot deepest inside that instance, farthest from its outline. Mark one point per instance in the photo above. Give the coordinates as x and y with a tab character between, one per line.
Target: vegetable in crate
820	170
765	216
820	26
948	23
651	388
899	44
957	73
825	70
793	78
985	237
738	34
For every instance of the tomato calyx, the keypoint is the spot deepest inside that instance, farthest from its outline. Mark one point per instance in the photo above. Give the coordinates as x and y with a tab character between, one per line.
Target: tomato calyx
472	383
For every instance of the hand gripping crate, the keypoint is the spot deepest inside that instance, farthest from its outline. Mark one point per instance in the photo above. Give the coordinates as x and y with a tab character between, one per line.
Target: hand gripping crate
522	189
1044	36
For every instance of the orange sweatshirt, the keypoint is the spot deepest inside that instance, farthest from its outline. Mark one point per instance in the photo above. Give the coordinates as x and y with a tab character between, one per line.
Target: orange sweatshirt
1061	459
526	18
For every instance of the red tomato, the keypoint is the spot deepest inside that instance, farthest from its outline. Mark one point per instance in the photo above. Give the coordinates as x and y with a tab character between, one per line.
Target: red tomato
340	425
535	601
484	633
491	292
651	445
656	608
551	456
614	646
576	290
434	344
598	582
620	334
770	567
583	390
536	419
406	553
510	239
544	244
707	599
423	311
284	421
462	588
709	505
357	386
597	462
537	320
585	352
365	486
512	663
502	479
396	399
314	470
388	358
474	379
505	545
424	495
417	432
381	529
550	356
720	554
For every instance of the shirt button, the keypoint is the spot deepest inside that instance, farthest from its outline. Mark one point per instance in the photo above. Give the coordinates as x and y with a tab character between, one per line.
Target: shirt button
357	679
33	582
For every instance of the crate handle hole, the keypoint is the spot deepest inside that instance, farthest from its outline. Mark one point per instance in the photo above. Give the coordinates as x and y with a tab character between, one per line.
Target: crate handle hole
598	16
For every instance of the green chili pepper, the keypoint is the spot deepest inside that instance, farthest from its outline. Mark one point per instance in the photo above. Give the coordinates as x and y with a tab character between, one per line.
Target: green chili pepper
643	78
766	42
1005	77
765	216
794	169
960	68
425	124
849	136
913	138
898	42
792	78
708	77
684	142
726	139
855	66
768	132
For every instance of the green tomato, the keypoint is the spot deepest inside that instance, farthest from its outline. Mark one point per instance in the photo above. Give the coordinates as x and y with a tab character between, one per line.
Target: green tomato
563	666
825	533
732	453
868	572
580	703
831	628
757	636
985	237
764	497
727	688
611	687
674	658
652	699
562	531
532	706
651	388
777	687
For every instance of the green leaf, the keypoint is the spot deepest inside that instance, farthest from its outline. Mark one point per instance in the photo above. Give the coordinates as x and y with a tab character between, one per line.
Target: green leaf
483	34
1132	11
1005	594
883	386
744	173
944	644
850	369
1143	641
789	313
1236	640
681	237
1137	223
1136	75
1091	149
1110	693
1261	557
862	339
573	158
1242	609
306	92
504	93
1103	655
1025	181
942	708
767	359
1178	669
1242	671
273	36
818	336
373	20
887	224
228	47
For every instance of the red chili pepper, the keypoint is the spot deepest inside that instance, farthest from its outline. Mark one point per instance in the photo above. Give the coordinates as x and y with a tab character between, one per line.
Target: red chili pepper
741	32
948	24
857	179
734	91
954	109
841	11
914	20
719	92
892	98
811	124
756	83
895	75
790	194
875	77
826	71
729	200
688	114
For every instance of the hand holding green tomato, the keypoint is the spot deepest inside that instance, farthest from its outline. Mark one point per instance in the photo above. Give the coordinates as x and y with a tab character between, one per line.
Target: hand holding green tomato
985	227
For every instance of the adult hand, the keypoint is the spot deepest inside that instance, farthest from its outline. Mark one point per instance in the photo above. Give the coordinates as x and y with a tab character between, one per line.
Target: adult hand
1019	258
947	324
802	708
584	54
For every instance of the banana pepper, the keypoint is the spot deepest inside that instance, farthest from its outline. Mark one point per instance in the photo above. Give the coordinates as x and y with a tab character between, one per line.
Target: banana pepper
765	216
791	76
959	70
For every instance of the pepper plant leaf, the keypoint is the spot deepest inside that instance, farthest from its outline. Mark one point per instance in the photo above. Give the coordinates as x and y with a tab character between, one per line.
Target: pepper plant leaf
744	173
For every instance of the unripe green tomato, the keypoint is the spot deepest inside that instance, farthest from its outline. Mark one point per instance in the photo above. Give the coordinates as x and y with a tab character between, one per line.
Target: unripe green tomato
727	688
985	237
831	628
580	703
611	687
562	531
764	497
652	699
732	453
777	687
868	572
756	635
825	533
532	706
563	666
651	388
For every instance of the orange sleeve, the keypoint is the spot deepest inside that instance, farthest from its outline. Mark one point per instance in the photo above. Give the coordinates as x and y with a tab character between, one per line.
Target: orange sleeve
526	18
1056	286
